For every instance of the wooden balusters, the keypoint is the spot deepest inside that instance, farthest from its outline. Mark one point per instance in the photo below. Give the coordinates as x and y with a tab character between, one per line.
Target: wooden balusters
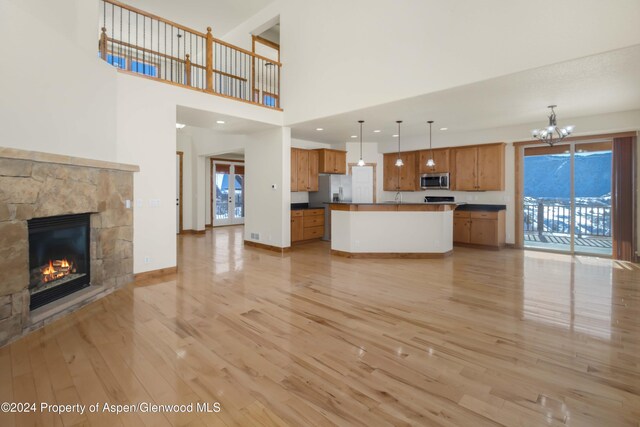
187	69
209	73
142	43
102	44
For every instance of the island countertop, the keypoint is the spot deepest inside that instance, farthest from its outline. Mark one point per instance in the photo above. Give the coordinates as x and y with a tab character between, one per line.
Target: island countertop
394	207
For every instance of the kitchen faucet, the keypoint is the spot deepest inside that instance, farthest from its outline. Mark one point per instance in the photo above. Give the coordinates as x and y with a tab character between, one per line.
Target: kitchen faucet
398	198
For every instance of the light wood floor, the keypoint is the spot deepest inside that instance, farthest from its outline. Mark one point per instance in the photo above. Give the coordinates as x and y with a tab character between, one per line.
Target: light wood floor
307	339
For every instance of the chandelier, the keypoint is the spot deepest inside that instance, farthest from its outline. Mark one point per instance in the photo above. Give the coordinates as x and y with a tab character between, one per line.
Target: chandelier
552	133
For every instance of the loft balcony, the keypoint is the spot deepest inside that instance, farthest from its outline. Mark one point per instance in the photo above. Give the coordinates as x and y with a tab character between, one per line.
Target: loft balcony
147	45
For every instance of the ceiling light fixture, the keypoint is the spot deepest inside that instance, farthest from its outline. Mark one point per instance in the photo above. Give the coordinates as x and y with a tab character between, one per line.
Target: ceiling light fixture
430	163
220	122
395	136
377	131
399	161
179	126
444	128
547	134
354	136
319	129
361	162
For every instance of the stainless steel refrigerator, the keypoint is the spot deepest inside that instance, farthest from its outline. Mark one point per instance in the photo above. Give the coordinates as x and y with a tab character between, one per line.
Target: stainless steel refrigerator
331	188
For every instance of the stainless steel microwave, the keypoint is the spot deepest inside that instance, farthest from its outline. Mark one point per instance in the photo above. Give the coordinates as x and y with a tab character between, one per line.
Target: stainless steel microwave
434	181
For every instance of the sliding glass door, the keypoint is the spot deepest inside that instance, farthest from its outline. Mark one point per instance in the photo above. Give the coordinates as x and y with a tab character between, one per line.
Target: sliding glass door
567	198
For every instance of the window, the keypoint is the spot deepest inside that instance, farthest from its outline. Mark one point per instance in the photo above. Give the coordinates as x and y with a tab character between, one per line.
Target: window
116	61
269	101
142	68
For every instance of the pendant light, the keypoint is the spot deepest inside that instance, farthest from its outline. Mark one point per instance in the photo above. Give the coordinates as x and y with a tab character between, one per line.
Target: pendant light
430	162
399	161
361	162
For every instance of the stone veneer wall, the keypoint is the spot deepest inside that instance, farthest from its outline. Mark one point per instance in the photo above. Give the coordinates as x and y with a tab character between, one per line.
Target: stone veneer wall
36	188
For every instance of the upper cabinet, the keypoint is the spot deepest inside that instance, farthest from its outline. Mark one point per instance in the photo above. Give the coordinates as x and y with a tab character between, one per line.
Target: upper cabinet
403	178
440	157
304	170
332	161
478	167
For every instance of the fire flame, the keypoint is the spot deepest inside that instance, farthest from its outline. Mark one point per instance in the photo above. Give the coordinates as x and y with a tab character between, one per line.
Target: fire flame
57	269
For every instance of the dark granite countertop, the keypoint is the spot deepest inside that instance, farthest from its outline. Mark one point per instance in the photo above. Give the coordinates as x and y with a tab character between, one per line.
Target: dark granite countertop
395	203
303	206
480	207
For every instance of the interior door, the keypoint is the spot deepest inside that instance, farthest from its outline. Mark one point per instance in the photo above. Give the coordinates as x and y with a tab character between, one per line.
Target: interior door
362	184
228	202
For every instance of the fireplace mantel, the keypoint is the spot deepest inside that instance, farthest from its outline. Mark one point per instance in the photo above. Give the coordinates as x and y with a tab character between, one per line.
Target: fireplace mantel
37	185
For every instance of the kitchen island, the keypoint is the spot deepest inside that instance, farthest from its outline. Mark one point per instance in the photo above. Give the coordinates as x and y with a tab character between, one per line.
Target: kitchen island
392	230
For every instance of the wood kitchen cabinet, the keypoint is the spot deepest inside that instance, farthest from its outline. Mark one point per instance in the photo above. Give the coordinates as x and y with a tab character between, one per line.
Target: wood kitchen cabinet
304	170
440	157
479	168
461	227
332	161
404	178
479	228
307	224
297	230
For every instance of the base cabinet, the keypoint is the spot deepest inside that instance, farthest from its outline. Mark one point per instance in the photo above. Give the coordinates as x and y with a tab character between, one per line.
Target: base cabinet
479	228
296	226
307	224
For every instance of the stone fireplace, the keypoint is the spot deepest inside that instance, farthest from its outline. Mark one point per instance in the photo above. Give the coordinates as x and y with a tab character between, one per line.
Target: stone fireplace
66	235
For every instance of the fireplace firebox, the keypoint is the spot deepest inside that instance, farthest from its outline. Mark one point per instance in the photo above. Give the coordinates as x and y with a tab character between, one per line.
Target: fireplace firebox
59	257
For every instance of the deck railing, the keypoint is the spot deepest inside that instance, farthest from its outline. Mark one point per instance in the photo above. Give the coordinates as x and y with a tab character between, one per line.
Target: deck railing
549	216
143	43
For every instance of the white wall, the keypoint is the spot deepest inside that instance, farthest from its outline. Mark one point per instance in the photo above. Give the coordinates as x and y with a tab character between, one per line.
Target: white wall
184	143
267	163
361	53
147	137
56	95
605	123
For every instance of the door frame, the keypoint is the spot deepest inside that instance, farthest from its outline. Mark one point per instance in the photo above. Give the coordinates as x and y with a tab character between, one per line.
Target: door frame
181	204
519	173
212	161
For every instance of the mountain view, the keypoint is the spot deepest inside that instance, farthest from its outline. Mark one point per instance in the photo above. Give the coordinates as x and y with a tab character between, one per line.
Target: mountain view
549	176
547	189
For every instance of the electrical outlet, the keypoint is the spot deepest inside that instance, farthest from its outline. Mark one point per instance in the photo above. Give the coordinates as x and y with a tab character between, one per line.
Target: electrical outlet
139	203
147	260
127	204
255	236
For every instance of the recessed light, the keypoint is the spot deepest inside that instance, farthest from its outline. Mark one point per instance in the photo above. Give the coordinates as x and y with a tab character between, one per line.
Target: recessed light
444	128
319	129
179	125
377	131
220	122
354	136
395	136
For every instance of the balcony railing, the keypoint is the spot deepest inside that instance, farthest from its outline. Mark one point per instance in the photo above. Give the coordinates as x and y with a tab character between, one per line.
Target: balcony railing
552	216
143	43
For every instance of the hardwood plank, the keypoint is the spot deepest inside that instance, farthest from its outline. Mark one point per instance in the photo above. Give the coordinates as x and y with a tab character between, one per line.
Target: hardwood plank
306	338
